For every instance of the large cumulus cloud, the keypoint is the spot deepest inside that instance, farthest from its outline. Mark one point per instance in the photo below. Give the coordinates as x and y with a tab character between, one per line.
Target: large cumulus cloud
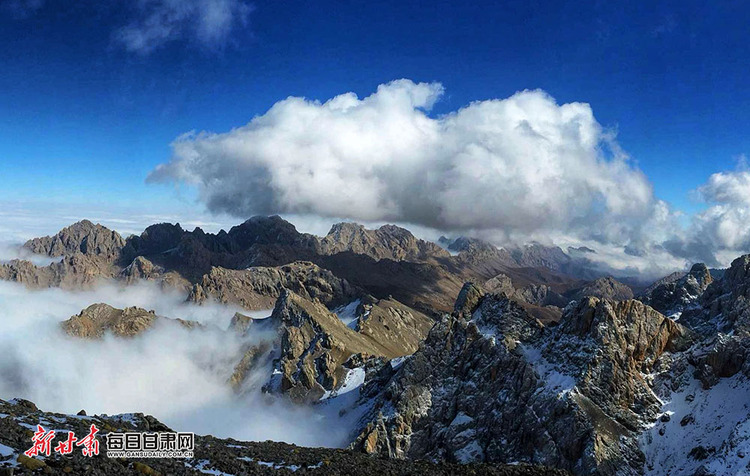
721	231
523	166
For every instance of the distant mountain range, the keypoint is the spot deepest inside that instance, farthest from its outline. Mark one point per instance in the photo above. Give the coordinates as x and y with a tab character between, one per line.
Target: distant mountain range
458	352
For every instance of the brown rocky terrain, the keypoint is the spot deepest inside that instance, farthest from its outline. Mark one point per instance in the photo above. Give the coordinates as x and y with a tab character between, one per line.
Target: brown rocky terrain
81	237
74	271
388	261
533	365
387	242
311	347
99	319
211	455
443	401
605	288
259	287
316	344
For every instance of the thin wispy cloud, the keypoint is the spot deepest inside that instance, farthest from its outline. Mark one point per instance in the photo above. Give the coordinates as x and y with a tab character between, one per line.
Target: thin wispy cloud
21	9
207	23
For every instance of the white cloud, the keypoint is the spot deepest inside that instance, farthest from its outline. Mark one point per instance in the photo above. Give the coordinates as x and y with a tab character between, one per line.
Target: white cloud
207	22
524	166
173	373
721	232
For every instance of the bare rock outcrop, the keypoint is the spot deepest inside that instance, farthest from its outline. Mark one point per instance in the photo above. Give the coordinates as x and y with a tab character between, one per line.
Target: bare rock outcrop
99	319
71	272
259	287
678	291
491	383
315	343
140	269
82	237
387	242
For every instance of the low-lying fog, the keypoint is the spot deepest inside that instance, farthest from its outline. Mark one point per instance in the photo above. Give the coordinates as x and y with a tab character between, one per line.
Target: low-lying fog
179	376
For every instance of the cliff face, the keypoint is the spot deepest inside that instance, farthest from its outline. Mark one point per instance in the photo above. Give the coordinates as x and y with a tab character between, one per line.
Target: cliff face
81	237
259	287
318	350
491	383
678	292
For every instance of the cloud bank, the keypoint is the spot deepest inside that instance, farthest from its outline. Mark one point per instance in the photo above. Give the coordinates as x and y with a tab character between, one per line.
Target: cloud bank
175	374
721	231
209	23
524	166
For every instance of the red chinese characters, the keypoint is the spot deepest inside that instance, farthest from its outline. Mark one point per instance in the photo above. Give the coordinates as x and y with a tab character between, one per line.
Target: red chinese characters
90	443
42	443
66	447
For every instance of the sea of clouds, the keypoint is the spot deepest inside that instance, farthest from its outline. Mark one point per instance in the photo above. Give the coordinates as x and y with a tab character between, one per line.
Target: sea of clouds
178	375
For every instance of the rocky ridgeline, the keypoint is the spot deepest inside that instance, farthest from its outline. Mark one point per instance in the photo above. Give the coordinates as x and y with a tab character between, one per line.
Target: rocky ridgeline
493	384
99	319
311	349
211	455
259	287
385	261
677	292
595	394
387	242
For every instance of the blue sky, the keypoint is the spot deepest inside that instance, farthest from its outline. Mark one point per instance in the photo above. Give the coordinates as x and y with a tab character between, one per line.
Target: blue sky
84	117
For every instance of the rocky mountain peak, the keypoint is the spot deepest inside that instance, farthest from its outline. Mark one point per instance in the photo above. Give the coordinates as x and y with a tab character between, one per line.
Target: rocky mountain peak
536	254
82	237
97	319
674	294
155	239
470	245
315	344
637	329
259	287
140	268
701	273
387	242
606	287
264	230
468	299
738	274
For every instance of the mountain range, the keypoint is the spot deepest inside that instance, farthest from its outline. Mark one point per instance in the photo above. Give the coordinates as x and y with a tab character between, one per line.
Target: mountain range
457	353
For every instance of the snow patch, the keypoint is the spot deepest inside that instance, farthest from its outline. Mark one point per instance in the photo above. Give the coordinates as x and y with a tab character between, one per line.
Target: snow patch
348	313
202	466
708	428
554	381
6	451
282	465
352	381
